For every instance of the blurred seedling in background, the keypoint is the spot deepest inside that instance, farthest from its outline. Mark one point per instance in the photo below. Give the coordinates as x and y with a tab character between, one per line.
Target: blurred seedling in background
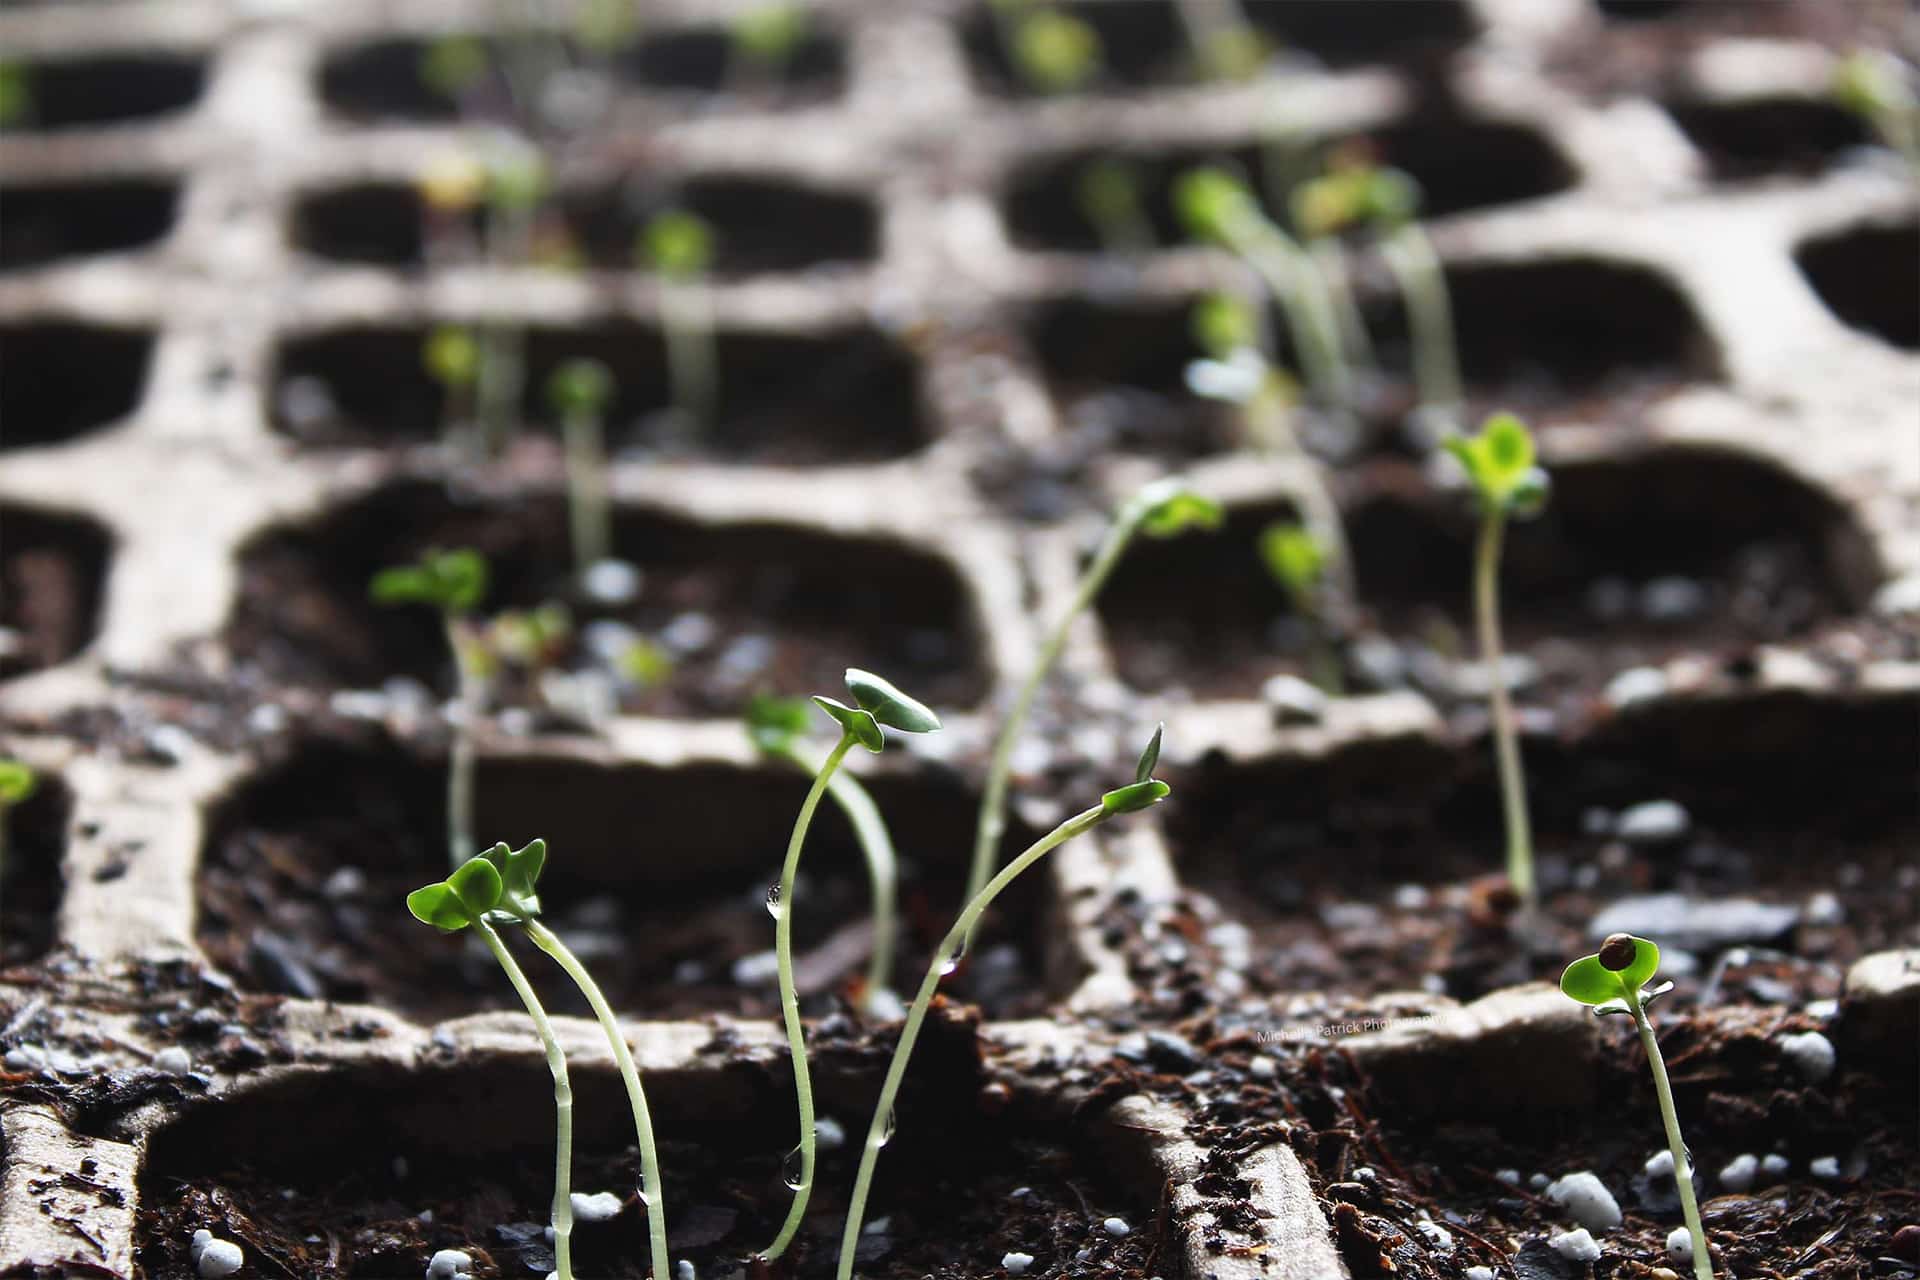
16	95
1052	51
453	583
18	782
1297	562
1878	86
516	185
878	706
1506	483
457	68
451	357
1218	208
679	246
1143	792
1225	45
1354	193
580	391
1109	194
1614	980
778	727
1163	509
764	43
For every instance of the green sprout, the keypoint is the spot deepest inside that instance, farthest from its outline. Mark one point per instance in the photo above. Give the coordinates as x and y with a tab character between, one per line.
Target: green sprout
878	705
18	781
1225	45
1054	52
1499	463
1219	208
679	245
1297	561
580	391
1877	86
454	66
765	41
777	727
1162	509
516	184
16	94
451	358
1143	792
1109	194
1614	980
454	583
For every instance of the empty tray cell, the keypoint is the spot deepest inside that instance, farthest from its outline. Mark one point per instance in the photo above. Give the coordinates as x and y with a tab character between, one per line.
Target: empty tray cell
657	876
1460	164
366	1172
1143	42
107	90
742	608
1368	869
758	224
60	380
841	396
48	222
1769	136
36	839
1867	277
52	567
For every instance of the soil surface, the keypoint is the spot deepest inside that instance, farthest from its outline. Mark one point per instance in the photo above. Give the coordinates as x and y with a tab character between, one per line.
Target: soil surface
51	570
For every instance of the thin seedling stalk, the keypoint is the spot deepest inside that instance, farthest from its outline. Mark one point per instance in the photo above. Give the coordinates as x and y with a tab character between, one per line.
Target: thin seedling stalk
462	754
562	1101
503	356
789	998
693	362
588	506
1682	1168
1330	261
1416	269
945	957
1293	279
653	1190
1513	787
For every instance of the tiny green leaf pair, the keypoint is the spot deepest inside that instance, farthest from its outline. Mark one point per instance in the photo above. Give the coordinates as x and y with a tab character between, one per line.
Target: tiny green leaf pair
878	703
1213	203
1168	508
500	880
1354	195
452	581
580	386
1500	463
1145	790
676	243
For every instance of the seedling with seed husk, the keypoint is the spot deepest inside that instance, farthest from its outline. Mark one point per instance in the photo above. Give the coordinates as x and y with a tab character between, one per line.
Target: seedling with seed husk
1879	88
1163	509
1499	463
580	391
1143	792
451	358
1355	193
679	245
1053	51
1217	207
1298	563
764	43
16	95
452	582
778	727
1614	980
18	781
1109	194
877	706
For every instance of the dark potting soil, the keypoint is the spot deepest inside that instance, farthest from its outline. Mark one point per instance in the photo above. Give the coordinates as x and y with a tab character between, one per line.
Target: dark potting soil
305	874
51	571
36	836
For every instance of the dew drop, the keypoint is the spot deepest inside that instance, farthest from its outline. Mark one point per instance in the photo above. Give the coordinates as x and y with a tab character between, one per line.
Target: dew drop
885	1135
952	959
791	1170
774	905
646	1201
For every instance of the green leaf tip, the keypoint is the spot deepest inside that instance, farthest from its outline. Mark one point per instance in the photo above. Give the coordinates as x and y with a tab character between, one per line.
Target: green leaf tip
467	895
451	356
1135	797
886	704
1056	51
774	722
1294	558
1213	203
452	581
1223	323
17	781
580	386
677	243
1167	507
856	721
1500	463
1595	979
1150	757
519	874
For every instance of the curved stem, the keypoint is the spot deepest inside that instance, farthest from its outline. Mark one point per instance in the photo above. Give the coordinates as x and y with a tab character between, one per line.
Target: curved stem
461	754
1423	284
652	1189
562	1102
1330	261
876	846
790	1000
1682	1168
1513	786
587	489
880	1129
992	821
1298	287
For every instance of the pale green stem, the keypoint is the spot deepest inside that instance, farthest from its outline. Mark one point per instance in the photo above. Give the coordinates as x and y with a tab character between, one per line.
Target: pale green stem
562	1102
1270	424
693	358
587	489
1682	1168
992	821
1423	284
876	846
790	1000
1513	787
881	1127
1330	260
653	1190
461	754
1210	24
503	363
1293	280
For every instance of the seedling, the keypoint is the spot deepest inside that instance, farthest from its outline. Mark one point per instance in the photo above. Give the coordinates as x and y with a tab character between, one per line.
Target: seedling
16	94
679	245
516	184
453	582
452	359
1218	207
17	782
1614	980
1054	52
1109	195
580	391
765	41
877	704
778	726
1499	463
1298	563
1142	793
1163	509
1878	87
455	67
1225	45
